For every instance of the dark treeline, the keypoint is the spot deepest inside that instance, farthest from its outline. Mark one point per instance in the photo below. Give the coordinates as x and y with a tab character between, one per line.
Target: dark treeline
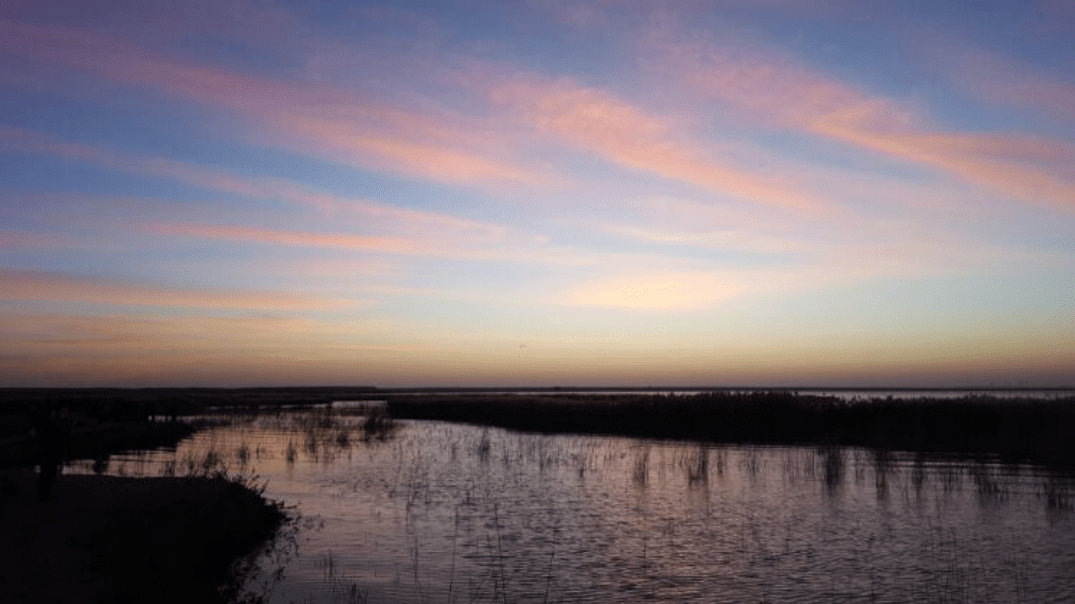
1013	430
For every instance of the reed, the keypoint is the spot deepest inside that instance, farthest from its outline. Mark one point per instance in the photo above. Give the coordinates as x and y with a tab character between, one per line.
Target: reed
1009	430
178	541
378	424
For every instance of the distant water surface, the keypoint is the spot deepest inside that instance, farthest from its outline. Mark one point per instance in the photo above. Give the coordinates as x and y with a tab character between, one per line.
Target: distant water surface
846	394
456	513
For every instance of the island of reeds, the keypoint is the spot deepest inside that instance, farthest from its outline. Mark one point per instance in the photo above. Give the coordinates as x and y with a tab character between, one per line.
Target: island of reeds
1011	430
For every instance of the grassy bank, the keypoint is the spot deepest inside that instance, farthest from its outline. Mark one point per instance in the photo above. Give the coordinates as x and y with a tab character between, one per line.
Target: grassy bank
104	539
109	539
96	441
1015	430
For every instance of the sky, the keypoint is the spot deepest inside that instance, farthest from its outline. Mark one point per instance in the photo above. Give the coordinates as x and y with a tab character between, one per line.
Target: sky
537	193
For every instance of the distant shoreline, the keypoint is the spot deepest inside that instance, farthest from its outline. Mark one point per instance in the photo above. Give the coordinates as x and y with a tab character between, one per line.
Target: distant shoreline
1014	430
6	391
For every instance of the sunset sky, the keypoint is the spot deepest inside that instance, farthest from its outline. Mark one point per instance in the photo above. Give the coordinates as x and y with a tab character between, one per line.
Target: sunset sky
745	192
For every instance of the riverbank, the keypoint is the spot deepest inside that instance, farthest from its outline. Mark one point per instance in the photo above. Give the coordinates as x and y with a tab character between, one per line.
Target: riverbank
1011	430
110	539
92	440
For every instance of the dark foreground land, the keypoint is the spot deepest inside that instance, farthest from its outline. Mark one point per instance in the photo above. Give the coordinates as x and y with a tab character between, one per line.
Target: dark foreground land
101	539
108	539
1009	430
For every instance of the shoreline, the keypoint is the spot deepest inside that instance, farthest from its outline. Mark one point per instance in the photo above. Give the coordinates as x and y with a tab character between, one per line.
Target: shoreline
1011	430
113	539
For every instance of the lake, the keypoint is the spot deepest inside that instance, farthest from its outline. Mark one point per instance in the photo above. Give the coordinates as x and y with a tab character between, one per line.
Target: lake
445	512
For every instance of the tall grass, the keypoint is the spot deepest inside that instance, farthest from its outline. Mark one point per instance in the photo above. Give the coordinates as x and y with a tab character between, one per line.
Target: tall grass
1010	430
188	542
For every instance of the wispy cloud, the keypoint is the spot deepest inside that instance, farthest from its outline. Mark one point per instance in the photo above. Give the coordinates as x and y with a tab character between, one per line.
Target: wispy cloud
526	252
999	79
597	121
327	121
387	217
109	333
781	90
11	239
67	287
674	291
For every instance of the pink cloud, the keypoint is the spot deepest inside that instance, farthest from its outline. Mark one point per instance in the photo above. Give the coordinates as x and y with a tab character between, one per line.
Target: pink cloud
388	245
20	140
110	332
997	79
325	120
418	246
850	247
587	13
596	121
414	222
778	89
40	285
360	146
1016	179
24	239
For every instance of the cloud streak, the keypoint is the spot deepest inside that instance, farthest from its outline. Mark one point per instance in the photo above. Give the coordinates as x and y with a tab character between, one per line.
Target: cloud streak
1006	81
513	252
779	89
415	222
67	287
334	123
597	121
11	239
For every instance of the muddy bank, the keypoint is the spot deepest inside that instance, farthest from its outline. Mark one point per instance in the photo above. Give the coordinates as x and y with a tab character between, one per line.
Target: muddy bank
110	539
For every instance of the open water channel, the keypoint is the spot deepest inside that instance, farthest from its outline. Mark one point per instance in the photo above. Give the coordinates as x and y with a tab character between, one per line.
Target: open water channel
445	512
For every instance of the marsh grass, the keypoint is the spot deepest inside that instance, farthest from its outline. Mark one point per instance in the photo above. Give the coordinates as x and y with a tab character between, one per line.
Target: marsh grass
183	543
1010	430
640	473
318	434
832	466
696	465
1059	493
378	424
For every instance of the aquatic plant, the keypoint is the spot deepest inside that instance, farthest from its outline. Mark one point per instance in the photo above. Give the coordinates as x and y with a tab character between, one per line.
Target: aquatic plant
378	424
1013	430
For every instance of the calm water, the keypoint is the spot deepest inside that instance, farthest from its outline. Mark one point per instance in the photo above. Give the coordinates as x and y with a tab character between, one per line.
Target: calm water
456	513
845	394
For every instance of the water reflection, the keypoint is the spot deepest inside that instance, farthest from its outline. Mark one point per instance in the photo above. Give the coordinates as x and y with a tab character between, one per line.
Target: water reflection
456	513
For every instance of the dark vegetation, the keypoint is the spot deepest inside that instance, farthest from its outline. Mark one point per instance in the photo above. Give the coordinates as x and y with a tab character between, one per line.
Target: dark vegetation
102	421
110	539
179	545
95	440
124	404
1011	430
